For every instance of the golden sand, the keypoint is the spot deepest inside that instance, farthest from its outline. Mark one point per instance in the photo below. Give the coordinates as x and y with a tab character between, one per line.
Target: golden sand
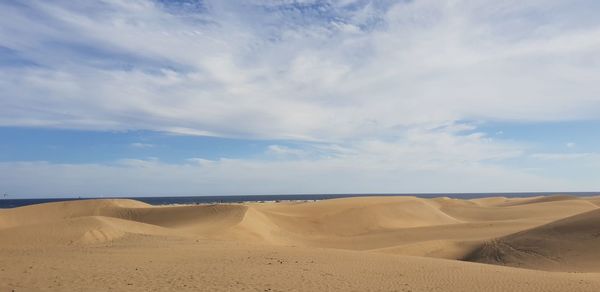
351	244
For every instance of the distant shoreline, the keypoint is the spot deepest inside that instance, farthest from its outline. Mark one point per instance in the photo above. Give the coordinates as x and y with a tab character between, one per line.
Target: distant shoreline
193	200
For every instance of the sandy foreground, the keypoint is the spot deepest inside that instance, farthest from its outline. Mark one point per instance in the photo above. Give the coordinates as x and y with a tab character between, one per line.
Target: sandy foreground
352	244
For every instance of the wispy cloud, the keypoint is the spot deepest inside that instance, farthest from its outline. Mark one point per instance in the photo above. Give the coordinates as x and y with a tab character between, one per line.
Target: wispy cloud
564	156
141	145
205	177
302	70
285	152
420	161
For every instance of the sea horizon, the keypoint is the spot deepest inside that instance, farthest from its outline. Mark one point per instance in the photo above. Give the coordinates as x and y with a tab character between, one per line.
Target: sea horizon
208	199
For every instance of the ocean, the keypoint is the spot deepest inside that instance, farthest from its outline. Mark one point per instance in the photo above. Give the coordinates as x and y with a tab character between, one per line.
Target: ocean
13	203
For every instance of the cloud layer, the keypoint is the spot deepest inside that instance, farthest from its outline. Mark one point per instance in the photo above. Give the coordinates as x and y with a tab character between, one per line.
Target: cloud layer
291	69
379	86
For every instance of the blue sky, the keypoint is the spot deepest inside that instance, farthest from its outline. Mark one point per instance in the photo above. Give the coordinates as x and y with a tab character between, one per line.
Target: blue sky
77	146
270	97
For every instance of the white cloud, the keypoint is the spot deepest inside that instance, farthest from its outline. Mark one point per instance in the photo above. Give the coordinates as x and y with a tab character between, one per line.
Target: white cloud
141	145
248	71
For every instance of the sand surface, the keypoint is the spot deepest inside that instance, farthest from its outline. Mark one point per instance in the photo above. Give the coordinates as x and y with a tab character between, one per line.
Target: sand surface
353	244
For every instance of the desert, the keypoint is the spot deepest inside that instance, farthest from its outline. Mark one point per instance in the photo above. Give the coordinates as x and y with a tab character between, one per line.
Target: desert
396	243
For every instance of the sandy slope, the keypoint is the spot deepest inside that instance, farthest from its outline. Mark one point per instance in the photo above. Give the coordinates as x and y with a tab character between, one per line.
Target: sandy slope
342	244
571	244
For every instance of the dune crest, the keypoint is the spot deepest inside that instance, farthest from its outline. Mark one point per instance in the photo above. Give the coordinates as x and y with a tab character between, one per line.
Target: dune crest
48	212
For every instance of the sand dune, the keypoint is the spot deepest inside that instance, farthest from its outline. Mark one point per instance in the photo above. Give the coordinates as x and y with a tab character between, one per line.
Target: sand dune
540	199
79	230
594	200
570	244
445	249
544	210
43	213
364	223
355	216
557	233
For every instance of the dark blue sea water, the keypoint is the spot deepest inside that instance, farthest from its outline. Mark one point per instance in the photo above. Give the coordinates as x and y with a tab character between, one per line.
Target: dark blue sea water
12	203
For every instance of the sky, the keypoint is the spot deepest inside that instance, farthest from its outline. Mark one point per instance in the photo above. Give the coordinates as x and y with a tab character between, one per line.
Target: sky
191	97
